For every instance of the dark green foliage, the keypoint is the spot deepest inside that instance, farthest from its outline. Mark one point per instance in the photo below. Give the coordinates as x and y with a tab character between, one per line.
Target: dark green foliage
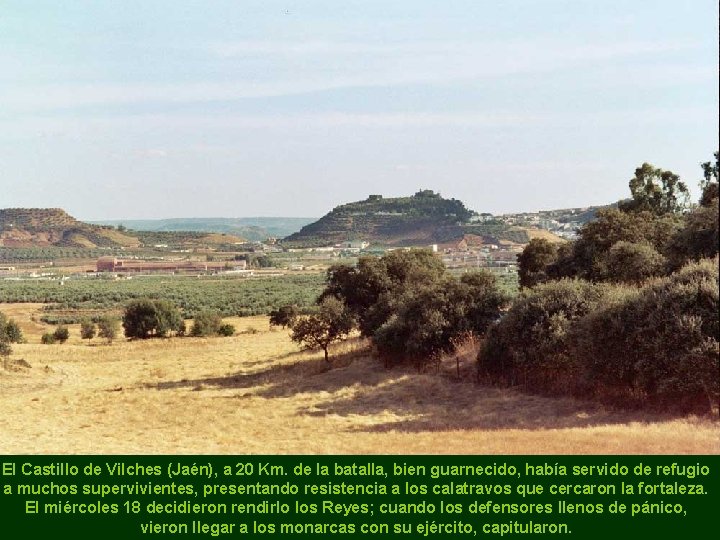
61	334
655	345
48	339
587	257
427	319
699	238
530	345
87	329
332	323
628	262
656	191
534	260
658	345
108	327
283	316
709	184
409	304
206	323
226	330
145	318
10	331
369	288
256	261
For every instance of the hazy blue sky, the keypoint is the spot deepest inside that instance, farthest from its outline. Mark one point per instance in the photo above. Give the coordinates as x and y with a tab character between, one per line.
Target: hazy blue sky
173	108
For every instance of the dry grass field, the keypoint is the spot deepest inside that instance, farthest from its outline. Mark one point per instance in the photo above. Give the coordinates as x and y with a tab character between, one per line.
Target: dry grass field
257	393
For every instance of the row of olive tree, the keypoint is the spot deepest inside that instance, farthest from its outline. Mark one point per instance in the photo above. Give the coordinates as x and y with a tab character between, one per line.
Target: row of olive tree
405	301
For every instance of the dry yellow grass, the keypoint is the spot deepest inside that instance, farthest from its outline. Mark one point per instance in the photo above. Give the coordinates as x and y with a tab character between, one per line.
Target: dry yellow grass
256	393
545	235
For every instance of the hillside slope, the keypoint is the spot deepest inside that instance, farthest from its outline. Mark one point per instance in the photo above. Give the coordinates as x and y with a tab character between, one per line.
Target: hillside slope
41	227
424	218
53	227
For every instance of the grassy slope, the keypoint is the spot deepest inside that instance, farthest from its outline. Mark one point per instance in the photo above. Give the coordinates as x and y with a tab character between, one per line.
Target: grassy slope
256	393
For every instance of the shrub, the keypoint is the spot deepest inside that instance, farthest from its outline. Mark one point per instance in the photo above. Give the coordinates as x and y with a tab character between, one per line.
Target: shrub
700	236
369	289
428	320
47	339
206	323
87	329
534	260
145	318
283	316
108	327
530	345
9	333
659	345
629	262
226	330
61	334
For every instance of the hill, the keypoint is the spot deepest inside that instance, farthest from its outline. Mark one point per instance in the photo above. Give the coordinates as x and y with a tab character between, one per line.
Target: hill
53	227
251	228
424	218
42	227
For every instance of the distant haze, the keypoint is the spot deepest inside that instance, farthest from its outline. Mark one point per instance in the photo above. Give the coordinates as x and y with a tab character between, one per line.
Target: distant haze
141	110
258	228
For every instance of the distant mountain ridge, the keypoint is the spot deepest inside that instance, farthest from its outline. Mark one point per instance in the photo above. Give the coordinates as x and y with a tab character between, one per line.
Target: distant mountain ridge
251	228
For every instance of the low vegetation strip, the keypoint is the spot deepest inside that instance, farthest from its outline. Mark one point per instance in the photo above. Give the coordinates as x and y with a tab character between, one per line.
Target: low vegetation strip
229	297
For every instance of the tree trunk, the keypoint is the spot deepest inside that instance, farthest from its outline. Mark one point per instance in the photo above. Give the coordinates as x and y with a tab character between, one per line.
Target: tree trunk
327	359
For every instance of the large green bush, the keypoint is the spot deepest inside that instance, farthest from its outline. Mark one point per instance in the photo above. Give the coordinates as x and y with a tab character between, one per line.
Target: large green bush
428	319
658	345
206	323
145	318
370	289
9	333
531	344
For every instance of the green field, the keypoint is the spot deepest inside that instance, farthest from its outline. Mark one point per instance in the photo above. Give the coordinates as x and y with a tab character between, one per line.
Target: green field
245	296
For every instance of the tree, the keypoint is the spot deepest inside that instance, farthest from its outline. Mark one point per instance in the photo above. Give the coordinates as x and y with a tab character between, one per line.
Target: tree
709	184
587	256
283	316
368	289
87	329
332	323
657	191
145	318
9	333
530	344
108	328
206	323
699	238
428	319
629	262
534	260
61	334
